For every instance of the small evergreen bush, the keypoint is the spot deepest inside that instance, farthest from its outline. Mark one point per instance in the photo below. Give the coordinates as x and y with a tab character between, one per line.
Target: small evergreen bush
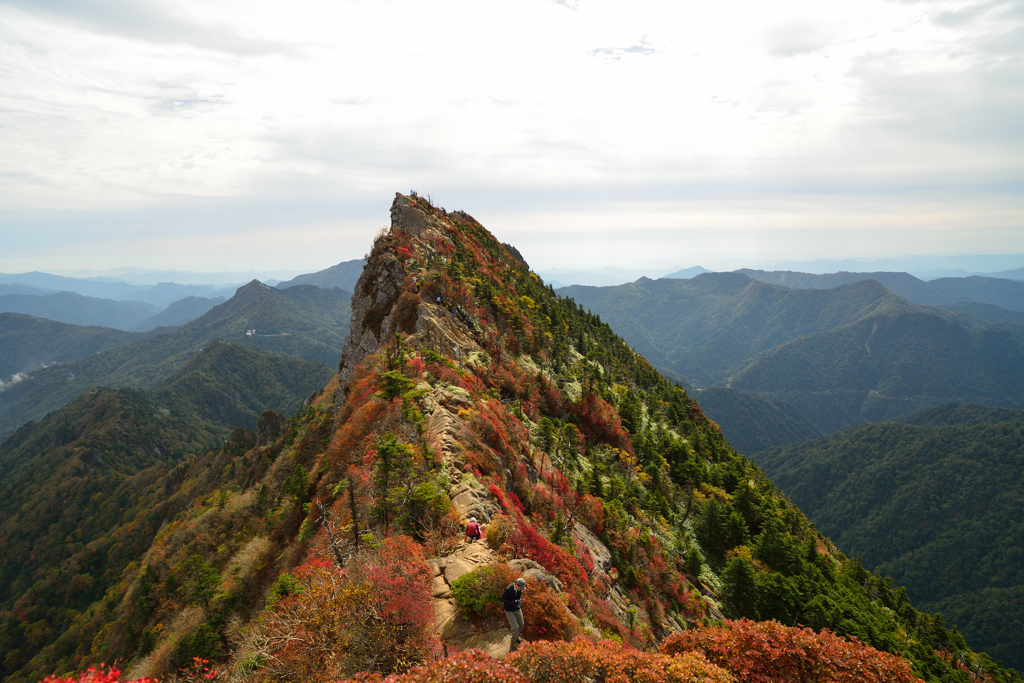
479	592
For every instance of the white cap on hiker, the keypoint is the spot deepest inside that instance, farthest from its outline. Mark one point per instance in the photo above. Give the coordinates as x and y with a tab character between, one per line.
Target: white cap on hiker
521	582
472	519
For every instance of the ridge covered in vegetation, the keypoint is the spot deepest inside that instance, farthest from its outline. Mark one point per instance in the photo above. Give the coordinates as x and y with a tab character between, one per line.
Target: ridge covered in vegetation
331	547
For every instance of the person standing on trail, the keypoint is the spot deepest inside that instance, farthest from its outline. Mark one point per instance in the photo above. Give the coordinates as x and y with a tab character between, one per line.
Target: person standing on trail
472	530
513	599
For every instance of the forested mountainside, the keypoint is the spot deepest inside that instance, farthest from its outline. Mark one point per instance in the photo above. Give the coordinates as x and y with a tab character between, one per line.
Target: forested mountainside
842	356
230	386
75	309
944	292
343	275
884	365
753	423
700	329
332	545
989	312
83	491
935	504
28	344
179	313
901	284
1000	292
305	322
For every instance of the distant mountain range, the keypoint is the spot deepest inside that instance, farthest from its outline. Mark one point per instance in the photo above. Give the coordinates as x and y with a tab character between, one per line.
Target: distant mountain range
842	356
303	322
69	307
934	502
28	344
344	275
133	307
179	313
945	291
609	277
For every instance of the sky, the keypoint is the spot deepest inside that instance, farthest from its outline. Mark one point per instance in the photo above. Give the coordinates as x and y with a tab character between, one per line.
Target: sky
222	135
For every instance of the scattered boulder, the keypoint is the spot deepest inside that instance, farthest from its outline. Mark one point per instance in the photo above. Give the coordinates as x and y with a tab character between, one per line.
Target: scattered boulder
534	572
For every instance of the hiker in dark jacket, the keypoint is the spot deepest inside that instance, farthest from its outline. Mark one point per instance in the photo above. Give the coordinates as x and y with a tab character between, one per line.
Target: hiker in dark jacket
472	530
513	600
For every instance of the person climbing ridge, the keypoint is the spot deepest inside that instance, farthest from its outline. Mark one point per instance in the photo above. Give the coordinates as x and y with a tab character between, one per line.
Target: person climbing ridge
513	601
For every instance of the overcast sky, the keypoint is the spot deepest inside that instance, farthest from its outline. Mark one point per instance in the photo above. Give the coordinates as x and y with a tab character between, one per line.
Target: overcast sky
231	135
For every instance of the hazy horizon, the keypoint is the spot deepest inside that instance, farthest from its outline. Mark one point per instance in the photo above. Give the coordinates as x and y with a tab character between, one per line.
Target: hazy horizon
926	267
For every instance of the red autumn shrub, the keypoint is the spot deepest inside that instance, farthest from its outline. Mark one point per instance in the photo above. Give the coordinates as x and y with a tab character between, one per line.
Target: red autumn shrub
583	662
600	422
605	619
470	666
768	652
546	617
111	675
373	616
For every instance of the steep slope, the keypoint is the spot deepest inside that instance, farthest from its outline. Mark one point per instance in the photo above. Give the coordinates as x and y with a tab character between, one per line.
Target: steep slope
842	356
960	414
301	322
753	423
179	313
343	275
989	312
938	508
467	388
82	496
68	307
231	385
28	343
885	365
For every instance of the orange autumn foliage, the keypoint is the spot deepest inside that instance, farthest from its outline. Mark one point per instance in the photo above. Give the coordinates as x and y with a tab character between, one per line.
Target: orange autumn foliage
582	661
768	652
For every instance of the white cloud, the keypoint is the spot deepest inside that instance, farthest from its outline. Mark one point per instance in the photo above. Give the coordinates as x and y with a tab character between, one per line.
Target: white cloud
16	379
128	116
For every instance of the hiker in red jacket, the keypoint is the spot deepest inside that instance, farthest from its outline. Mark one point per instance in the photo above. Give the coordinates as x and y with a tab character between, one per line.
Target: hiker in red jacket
472	530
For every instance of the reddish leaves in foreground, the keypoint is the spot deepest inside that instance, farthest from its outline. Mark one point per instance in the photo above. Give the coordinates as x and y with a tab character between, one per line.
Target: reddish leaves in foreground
92	675
578	662
768	652
471	666
583	661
